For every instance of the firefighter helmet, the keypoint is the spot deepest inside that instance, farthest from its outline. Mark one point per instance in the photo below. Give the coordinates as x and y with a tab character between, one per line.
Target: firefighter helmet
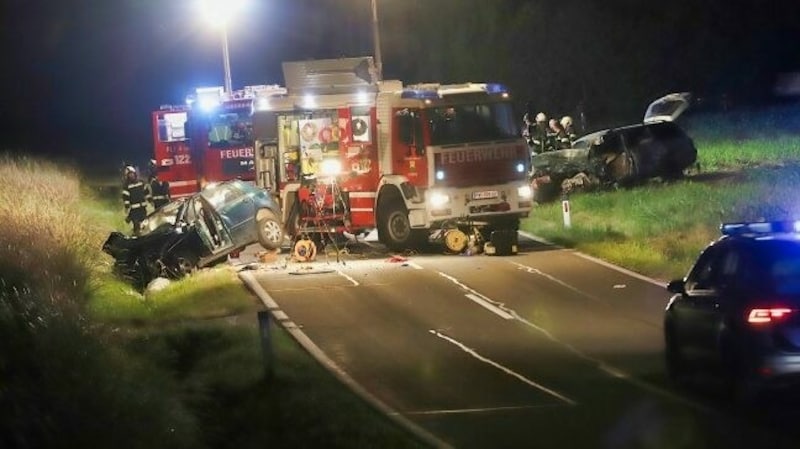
541	118
566	121
130	170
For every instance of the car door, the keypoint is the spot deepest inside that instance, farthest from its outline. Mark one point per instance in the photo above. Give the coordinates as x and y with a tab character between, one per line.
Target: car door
712	308
238	213
211	228
694	311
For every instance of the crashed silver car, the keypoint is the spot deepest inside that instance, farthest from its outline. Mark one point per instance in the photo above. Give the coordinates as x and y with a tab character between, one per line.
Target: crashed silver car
621	156
197	231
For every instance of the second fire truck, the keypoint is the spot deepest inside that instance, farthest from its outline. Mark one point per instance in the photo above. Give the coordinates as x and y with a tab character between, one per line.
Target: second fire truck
347	152
208	139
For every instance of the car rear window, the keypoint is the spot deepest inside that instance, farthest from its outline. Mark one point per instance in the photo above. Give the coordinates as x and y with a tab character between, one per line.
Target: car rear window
780	260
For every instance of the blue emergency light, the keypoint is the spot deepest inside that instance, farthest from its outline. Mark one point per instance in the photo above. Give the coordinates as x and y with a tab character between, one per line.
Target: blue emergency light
420	94
496	89
760	227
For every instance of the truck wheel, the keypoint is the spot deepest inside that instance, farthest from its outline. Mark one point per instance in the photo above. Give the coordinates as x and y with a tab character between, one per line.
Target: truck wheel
270	231
394	228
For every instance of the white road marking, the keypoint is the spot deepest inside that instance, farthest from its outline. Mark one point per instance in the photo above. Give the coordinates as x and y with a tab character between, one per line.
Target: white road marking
626	271
315	351
414	266
490	307
355	283
601	365
460	411
502	368
532	270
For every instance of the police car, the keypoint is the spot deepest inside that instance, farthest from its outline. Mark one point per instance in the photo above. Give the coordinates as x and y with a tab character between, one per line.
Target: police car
737	312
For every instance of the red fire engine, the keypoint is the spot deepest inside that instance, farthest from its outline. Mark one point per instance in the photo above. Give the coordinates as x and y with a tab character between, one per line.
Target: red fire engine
210	138
346	152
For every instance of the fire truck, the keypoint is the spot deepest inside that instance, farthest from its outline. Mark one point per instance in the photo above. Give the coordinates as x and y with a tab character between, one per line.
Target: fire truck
207	139
349	153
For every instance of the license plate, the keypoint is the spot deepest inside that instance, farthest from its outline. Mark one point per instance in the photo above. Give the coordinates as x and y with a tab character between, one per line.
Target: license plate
485	195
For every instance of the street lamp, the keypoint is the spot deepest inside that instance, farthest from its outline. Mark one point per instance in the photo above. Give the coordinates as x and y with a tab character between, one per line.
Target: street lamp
218	13
377	41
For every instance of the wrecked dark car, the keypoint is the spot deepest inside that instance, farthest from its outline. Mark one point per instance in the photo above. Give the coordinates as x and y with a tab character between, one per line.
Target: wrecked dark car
197	231
622	156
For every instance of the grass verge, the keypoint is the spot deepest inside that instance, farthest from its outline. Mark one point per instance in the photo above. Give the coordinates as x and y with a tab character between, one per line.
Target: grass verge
658	229
86	361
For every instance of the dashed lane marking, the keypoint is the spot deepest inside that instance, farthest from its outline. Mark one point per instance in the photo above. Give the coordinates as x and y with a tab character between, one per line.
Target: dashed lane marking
504	369
600	364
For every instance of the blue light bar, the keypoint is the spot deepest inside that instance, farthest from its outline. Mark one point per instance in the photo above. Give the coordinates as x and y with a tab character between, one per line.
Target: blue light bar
420	94
496	88
760	227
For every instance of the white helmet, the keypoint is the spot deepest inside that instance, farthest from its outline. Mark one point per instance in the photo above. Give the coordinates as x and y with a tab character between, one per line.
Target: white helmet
129	169
541	118
566	121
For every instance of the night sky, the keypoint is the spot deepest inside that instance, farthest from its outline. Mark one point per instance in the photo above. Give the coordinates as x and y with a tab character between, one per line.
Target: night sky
80	77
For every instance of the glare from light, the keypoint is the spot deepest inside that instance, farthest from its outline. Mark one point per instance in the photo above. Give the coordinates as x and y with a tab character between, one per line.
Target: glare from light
309	101
362	97
437	200
208	98
331	167
219	12
262	104
797	226
520	168
524	192
439	175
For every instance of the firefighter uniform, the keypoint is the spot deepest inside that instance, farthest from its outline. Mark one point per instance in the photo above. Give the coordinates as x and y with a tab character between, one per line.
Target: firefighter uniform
538	135
159	192
134	197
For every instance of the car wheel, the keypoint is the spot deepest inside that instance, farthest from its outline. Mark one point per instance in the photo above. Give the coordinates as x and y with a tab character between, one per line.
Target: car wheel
181	264
270	231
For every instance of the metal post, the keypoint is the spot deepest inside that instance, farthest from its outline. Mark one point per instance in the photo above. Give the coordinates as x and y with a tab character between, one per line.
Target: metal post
266	343
376	41
226	60
565	210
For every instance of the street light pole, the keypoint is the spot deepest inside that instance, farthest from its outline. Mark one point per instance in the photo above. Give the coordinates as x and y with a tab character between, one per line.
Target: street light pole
226	59
377	41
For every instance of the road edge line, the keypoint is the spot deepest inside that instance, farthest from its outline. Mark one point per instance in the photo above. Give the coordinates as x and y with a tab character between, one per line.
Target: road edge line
317	353
596	260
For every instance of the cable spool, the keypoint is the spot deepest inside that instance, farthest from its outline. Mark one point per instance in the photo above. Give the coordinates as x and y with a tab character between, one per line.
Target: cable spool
305	250
456	241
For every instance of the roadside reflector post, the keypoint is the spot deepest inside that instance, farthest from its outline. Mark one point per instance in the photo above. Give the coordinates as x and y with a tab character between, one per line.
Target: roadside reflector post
566	212
266	344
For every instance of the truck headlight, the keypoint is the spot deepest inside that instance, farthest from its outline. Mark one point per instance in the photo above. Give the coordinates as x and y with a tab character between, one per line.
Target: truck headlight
524	192
437	200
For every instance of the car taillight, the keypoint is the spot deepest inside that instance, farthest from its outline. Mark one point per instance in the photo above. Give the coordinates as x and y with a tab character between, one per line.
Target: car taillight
763	316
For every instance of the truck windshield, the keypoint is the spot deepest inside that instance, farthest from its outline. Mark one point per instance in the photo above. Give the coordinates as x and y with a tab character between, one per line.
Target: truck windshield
230	129
459	124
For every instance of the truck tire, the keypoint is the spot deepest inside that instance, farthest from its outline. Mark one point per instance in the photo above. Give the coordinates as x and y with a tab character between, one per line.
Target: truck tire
270	231
394	227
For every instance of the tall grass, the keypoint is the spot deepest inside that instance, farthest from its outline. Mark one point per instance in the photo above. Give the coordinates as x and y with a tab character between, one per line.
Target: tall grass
88	362
60	385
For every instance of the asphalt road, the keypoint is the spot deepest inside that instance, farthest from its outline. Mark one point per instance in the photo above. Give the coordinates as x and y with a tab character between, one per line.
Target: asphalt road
543	349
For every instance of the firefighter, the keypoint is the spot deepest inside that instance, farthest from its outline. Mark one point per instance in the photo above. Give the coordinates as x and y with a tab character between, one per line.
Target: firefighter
158	190
539	134
134	198
569	129
557	137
